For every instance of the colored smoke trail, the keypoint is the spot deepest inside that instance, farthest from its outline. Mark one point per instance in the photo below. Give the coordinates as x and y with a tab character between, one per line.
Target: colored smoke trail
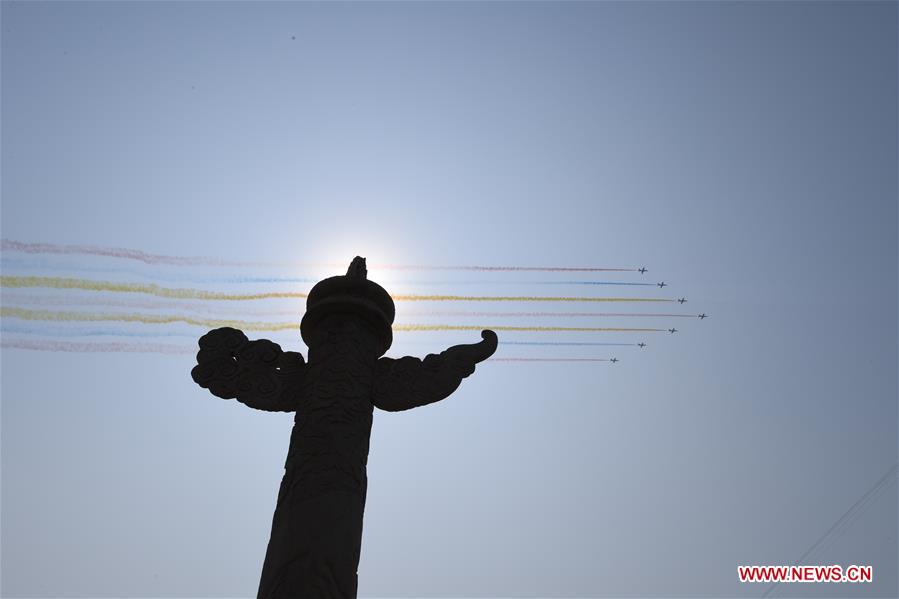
167	275
181	293
114	347
125	301
588	283
131	254
501	268
11	327
186	305
446	327
189	298
161	348
49	248
556	343
523	298
146	288
489	314
164	274
548	360
46	315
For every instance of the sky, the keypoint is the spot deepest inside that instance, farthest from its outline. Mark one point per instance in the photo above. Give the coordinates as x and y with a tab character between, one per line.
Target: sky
744	153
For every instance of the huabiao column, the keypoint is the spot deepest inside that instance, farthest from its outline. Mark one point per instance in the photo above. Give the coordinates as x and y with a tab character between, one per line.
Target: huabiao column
316	536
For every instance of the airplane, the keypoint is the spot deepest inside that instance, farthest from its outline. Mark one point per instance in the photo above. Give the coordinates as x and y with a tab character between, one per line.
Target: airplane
613	360
682	300
703	315
641	345
641	270
672	331
662	284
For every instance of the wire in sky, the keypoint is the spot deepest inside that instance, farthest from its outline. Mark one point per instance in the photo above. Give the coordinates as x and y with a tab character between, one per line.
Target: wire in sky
862	502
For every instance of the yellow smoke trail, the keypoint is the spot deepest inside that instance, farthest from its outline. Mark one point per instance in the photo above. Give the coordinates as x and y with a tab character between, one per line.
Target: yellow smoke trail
181	293
47	315
145	319
450	327
520	298
150	289
159	348
69	346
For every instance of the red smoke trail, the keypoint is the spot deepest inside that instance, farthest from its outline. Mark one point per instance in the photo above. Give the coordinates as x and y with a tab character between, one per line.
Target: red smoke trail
500	268
49	248
131	254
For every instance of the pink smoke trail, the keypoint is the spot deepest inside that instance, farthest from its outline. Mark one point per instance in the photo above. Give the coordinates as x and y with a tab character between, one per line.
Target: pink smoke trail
131	254
160	348
110	347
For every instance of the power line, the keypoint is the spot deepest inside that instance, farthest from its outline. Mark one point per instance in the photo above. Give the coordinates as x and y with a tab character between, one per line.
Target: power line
847	515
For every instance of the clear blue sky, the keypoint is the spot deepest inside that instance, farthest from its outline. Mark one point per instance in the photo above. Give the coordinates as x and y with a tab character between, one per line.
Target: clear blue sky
744	152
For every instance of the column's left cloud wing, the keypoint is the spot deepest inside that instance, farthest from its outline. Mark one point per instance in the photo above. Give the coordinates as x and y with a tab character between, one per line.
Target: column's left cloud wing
256	373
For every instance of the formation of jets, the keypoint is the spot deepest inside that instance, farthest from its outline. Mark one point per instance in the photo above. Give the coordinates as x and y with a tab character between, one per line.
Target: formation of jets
672	330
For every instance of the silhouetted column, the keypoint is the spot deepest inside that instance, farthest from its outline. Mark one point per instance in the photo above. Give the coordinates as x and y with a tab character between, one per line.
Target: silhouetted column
316	537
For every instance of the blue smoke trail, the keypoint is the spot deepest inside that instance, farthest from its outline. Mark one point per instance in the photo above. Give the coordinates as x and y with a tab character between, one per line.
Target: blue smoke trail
31	265
590	343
